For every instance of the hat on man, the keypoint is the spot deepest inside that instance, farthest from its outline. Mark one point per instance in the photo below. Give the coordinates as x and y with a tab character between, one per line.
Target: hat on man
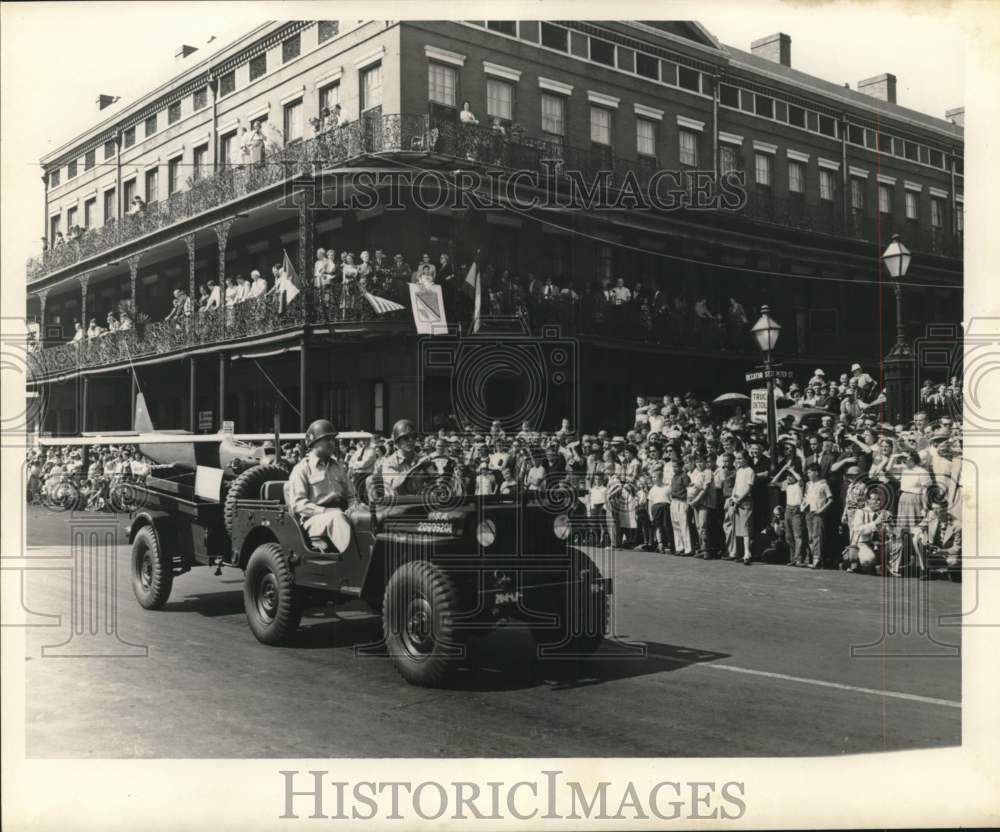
618	440
818	373
855	368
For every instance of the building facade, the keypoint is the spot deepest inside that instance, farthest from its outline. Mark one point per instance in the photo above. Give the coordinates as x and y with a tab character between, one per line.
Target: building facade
175	189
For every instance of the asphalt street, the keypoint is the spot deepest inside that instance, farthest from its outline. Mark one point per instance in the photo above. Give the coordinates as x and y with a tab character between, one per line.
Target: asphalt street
737	661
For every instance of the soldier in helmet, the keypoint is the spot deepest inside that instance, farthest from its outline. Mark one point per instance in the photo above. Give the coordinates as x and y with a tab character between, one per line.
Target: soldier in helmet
401	471
319	493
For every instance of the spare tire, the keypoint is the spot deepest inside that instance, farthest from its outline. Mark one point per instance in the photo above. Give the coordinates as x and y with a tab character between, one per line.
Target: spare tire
247	487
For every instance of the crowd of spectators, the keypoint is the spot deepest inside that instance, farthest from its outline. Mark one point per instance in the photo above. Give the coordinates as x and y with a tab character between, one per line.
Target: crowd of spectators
59	477
687	479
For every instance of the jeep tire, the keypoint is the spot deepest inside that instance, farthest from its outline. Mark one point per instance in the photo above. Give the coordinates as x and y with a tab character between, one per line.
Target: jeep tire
152	578
418	613
269	598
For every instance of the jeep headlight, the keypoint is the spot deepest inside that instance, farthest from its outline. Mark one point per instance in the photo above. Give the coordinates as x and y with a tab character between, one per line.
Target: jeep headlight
486	533
561	526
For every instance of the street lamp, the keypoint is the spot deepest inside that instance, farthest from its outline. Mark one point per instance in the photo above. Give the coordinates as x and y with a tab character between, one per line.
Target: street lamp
897	260
766	332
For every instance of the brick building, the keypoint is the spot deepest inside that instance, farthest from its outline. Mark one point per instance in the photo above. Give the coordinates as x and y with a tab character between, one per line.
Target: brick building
829	174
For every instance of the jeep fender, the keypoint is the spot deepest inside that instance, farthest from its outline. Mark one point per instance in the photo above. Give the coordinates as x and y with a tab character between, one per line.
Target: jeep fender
162	525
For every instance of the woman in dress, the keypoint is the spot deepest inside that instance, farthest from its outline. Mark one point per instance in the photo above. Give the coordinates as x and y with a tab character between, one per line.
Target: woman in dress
349	277
914	482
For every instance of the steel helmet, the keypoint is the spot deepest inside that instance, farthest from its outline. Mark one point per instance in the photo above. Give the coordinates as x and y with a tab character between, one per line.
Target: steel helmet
320	429
404	427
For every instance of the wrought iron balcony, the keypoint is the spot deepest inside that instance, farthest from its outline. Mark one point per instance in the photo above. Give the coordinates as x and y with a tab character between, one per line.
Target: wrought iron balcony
374	133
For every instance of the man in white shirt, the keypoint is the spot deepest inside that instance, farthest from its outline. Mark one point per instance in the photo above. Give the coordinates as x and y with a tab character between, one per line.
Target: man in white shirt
659	512
816	500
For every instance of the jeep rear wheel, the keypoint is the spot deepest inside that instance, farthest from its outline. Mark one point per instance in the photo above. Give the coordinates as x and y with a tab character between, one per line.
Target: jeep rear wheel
152	578
418	621
269	596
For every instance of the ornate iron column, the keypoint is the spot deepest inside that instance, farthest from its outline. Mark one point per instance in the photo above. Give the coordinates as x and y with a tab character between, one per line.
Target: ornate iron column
133	276
41	317
84	282
305	196
222	238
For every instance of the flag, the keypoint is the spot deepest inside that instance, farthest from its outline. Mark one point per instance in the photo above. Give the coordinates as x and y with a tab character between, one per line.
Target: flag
381	305
288	289
472	280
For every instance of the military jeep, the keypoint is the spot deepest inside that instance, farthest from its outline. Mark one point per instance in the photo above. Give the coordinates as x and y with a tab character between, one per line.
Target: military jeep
440	569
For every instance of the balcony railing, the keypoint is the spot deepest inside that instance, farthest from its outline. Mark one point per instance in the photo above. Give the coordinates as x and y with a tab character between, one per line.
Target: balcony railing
377	133
280	163
638	322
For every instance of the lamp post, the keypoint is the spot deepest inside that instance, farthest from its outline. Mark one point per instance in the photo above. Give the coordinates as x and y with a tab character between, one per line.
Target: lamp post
896	258
766	332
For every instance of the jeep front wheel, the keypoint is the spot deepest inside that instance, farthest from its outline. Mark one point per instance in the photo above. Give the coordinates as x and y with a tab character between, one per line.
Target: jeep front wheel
418	621
152	578
269	596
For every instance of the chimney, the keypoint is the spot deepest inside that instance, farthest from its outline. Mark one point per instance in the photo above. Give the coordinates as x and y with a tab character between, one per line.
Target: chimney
776	47
105	101
882	87
183	51
956	116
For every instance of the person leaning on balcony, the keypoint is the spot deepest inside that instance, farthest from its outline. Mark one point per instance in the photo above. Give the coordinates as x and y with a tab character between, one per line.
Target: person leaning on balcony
113	325
332	119
138	204
255	143
230	291
319	268
244	147
466	116
242	289
258	285
126	322
214	296
60	240
330	267
77	331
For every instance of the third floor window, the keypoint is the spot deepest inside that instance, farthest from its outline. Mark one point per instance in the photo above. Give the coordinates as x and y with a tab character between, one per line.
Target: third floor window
858	195
371	87
499	99
200	98
645	137
796	177
937	213
884	199
688	147
151	125
129	137
174	113
442	83
553	115
90	159
109	149
71	169
600	125
827	185
763	169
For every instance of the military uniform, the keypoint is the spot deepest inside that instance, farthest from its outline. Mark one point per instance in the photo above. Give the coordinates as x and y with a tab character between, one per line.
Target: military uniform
317	494
392	470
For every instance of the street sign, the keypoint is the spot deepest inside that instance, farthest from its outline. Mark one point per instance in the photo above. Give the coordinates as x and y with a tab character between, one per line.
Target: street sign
767	375
229	426
758	405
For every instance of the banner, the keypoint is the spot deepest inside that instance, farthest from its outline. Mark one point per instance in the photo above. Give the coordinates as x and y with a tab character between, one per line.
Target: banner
428	309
